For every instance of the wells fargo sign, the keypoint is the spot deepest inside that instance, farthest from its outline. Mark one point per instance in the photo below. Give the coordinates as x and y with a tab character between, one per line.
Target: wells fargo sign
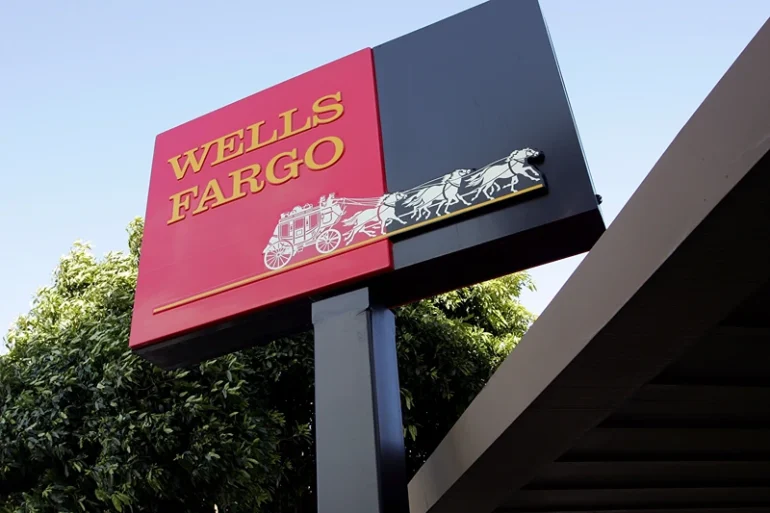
221	184
243	200
395	167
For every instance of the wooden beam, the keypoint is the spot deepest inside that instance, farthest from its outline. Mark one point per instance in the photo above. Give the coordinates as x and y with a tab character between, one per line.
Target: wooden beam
650	474
650	498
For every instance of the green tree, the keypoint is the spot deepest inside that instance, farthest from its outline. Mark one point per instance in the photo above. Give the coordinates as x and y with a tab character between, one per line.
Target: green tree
87	426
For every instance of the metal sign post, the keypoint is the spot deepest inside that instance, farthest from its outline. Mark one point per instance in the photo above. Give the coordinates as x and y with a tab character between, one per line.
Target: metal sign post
359	437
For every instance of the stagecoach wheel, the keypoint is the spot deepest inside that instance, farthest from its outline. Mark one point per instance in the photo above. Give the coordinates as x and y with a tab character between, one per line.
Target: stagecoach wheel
328	241
279	254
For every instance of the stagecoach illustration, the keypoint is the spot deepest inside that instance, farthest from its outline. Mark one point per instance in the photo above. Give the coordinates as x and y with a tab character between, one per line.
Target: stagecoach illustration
314	225
323	226
304	226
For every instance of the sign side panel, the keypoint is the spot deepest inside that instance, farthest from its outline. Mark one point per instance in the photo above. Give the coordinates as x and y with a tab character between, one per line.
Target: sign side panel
451	99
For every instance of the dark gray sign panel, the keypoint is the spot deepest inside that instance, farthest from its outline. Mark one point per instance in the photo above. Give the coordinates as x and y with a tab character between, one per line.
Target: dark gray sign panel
468	91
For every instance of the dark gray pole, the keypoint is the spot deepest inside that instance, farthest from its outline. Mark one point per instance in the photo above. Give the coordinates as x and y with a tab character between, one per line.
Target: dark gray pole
358	426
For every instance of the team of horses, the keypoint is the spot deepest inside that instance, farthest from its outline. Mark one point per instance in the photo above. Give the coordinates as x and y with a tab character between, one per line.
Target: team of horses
444	193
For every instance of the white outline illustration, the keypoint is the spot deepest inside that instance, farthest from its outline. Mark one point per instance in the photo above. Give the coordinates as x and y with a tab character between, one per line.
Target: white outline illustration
319	225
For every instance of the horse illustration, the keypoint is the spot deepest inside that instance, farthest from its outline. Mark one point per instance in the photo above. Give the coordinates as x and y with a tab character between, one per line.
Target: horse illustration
515	164
367	221
451	190
442	194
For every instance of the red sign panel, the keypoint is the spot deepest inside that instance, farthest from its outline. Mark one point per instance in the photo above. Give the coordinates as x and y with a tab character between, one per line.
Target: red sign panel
245	204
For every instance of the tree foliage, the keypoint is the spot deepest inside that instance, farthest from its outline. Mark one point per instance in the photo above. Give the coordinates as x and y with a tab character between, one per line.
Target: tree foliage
87	426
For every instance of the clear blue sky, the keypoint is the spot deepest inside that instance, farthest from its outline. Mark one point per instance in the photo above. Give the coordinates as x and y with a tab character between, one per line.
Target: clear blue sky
86	85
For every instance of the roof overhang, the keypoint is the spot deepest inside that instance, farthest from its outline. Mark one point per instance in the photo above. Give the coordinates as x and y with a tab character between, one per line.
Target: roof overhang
688	249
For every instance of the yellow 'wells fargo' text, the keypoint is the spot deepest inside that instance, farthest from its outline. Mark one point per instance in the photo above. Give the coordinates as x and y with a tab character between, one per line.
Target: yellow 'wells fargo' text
278	170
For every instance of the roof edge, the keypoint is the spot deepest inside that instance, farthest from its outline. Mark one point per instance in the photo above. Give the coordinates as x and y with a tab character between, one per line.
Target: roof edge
717	147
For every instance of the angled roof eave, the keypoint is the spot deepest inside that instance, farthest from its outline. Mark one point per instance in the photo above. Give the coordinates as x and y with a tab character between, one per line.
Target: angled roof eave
724	139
